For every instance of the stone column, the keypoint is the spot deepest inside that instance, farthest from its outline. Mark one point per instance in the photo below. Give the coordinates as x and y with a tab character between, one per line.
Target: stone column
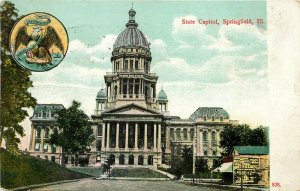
159	138
117	159
126	157
197	140
218	144
201	141
145	160
107	138
181	134
32	139
154	139
42	139
168	142
136	160
209	142
103	137
126	139
136	137
117	136
145	137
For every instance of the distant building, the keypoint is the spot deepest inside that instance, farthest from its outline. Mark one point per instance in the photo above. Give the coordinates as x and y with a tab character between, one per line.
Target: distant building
253	162
43	121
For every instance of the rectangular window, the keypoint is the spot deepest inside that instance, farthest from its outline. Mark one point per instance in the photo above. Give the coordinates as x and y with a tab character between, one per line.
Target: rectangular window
47	133
99	130
53	149
37	146
46	147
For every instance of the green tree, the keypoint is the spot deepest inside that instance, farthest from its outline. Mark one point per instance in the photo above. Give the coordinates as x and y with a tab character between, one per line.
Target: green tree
15	82
187	162
201	165
241	135
74	133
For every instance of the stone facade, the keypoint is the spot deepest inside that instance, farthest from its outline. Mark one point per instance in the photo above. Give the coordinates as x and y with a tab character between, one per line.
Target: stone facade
43	122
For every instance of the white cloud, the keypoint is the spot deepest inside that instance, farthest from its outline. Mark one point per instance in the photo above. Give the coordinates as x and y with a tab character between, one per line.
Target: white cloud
105	45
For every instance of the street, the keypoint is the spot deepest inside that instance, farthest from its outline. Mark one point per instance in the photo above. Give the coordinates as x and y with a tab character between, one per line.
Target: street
123	185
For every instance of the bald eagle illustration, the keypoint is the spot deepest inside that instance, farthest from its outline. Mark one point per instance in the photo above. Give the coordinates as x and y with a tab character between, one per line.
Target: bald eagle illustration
37	46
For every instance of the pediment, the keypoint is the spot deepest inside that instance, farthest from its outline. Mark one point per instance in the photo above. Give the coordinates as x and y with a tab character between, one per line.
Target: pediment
132	109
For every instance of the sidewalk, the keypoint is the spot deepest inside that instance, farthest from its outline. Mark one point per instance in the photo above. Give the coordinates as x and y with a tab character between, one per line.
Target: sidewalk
46	184
224	186
171	176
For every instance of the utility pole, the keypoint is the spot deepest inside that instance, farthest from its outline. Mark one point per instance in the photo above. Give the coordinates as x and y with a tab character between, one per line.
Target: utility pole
241	163
194	153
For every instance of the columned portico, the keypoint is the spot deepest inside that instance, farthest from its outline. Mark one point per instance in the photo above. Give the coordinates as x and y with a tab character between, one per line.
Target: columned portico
107	133
126	139
145	137
159	138
136	137
117	136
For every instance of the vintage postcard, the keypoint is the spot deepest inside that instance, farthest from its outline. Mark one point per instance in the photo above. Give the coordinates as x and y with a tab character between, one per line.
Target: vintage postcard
149	95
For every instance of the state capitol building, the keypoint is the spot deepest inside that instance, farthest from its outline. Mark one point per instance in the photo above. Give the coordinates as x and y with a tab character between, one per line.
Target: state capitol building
131	123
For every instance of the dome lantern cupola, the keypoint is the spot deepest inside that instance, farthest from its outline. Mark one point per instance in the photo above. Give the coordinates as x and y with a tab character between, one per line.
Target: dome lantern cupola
131	21
101	100
162	102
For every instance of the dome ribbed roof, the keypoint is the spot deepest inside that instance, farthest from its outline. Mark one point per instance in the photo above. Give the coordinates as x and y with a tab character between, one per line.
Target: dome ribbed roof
162	95
101	94
131	36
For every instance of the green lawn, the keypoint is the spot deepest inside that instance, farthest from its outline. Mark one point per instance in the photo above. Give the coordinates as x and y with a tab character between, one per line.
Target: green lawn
93	171
136	172
23	170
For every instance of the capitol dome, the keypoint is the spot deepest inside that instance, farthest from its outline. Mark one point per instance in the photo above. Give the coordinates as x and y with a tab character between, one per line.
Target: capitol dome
101	94
162	95
131	36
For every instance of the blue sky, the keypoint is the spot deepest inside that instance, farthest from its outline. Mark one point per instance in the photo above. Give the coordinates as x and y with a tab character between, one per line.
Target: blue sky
198	65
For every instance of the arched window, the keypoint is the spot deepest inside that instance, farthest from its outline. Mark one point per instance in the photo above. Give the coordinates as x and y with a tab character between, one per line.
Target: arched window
141	160
204	118
98	145
213	135
178	151
213	118
136	64
205	136
99	130
221	118
131	160
47	130
150	160
192	132
178	135
112	158
146	66
38	132
121	159
172	134
131	64
126	65
185	136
